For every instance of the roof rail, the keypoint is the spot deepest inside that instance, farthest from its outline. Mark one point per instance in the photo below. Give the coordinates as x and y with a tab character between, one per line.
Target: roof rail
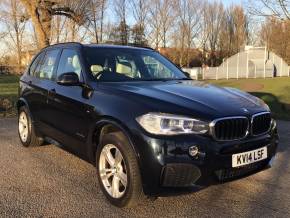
128	44
78	43
140	46
63	43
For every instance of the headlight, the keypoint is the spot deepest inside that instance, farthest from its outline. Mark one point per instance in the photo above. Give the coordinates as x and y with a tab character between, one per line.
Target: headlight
166	124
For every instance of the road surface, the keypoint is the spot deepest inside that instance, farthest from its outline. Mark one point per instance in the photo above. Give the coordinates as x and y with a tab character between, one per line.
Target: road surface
49	182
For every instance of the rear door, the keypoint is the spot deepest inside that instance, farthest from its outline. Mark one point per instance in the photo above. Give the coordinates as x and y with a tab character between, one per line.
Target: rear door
44	83
40	82
29	91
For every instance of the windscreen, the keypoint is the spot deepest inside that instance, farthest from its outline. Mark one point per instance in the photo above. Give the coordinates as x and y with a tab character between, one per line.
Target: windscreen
107	64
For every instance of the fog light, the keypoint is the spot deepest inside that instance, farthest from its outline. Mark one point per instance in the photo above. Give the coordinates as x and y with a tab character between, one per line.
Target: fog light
193	151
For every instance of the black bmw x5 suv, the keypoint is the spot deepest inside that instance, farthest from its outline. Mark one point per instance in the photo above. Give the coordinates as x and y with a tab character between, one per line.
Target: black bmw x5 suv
144	124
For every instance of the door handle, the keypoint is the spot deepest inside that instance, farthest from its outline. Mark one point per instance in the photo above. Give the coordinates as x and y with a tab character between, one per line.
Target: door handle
52	91
50	95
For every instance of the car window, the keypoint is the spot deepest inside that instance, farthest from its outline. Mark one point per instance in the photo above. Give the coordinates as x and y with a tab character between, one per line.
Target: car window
126	65
69	62
46	68
34	64
156	68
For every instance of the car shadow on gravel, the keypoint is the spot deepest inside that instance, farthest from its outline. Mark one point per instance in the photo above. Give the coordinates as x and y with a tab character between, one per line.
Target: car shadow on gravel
276	181
280	110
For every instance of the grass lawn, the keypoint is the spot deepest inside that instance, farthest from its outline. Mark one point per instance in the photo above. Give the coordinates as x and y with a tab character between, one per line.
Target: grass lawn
274	91
8	91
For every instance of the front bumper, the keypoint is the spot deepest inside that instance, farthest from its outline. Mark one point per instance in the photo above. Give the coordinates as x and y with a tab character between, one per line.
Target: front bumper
166	163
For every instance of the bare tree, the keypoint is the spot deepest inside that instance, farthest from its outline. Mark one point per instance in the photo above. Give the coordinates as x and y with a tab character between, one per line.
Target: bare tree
214	16
120	7
103	8
161	21
240	25
275	35
14	19
166	12
96	11
58	32
93	19
189	26
268	8
204	34
140	10
234	32
42	11
154	23
122	35
2	35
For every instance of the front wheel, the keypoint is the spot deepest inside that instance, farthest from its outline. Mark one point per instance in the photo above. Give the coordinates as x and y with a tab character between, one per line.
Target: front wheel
118	172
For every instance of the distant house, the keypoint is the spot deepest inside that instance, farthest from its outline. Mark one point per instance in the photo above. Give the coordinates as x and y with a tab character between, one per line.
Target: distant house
174	54
4	70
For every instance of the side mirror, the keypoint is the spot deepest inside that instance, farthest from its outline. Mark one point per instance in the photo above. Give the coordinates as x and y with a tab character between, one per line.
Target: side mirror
186	74
68	79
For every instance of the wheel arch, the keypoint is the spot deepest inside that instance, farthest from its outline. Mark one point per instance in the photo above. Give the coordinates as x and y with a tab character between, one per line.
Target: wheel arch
107	125
20	103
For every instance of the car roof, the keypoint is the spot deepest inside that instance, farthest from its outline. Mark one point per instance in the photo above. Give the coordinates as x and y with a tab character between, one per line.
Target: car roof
108	46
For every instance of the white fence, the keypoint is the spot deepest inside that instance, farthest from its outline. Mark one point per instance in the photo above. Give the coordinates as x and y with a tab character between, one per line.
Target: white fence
239	73
193	72
230	73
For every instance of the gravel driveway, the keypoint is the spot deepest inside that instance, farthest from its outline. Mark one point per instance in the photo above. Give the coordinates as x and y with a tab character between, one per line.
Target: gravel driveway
49	182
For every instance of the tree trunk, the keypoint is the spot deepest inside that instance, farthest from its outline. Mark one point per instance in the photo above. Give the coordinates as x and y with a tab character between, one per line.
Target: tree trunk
96	28
73	30
18	45
17	31
102	20
42	27
181	58
41	19
58	29
164	37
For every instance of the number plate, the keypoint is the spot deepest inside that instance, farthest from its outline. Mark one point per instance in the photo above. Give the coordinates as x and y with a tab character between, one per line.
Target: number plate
249	157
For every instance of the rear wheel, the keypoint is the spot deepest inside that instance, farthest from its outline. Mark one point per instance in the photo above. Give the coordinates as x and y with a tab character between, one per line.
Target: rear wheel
118	172
26	129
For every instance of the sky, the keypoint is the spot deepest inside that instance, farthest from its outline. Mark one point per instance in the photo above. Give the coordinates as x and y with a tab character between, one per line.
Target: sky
230	2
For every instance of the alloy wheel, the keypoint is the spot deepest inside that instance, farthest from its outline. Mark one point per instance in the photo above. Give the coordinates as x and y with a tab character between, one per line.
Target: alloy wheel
113	171
23	126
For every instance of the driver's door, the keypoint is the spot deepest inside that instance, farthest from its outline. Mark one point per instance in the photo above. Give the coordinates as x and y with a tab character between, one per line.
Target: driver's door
68	111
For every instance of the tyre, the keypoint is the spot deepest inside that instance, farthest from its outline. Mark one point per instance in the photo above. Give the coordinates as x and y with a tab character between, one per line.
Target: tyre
118	172
26	130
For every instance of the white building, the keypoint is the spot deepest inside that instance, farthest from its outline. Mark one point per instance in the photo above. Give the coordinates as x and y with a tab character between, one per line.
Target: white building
251	62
